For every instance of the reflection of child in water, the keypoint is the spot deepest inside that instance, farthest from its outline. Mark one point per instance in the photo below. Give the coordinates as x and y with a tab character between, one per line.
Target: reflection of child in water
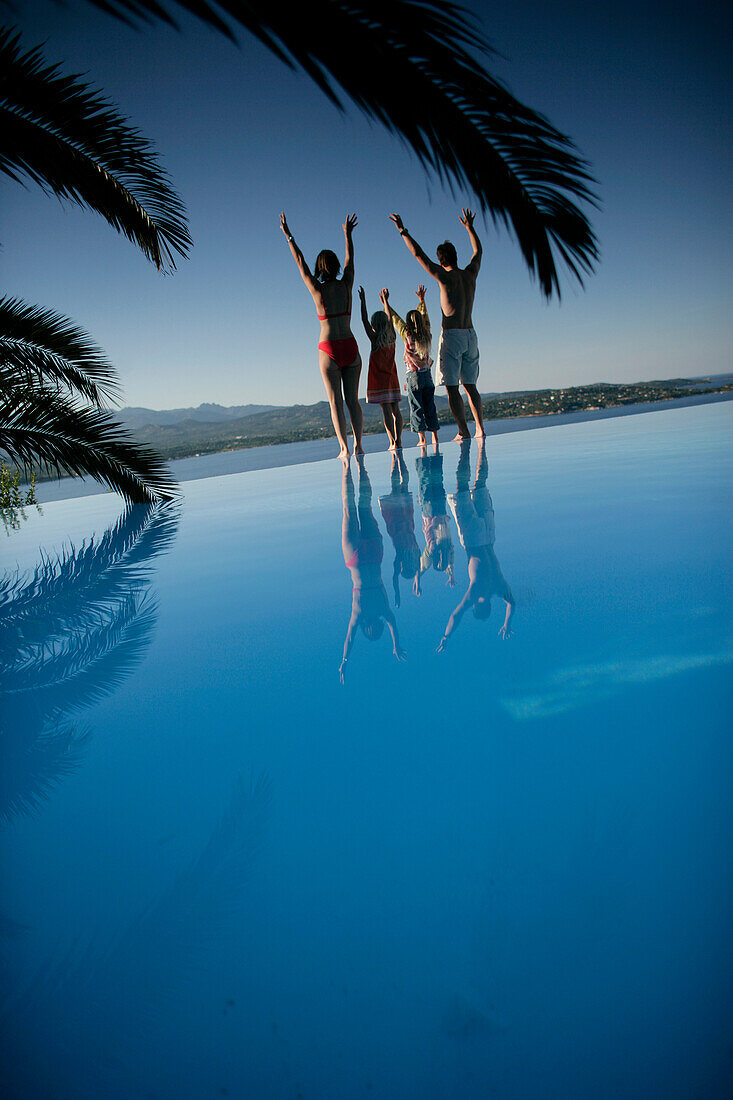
474	515
398	511
362	545
438	553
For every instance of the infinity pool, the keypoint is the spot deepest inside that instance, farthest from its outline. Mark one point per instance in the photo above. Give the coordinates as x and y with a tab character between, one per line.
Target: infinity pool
502	869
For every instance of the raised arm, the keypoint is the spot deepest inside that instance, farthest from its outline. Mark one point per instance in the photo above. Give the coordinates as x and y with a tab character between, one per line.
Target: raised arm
421	307
397	649
298	256
348	227
432	268
505	630
348	643
394	318
453	623
466	219
364	315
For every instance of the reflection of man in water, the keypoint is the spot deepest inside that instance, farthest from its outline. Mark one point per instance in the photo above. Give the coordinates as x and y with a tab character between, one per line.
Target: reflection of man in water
438	552
361	542
474	515
398	512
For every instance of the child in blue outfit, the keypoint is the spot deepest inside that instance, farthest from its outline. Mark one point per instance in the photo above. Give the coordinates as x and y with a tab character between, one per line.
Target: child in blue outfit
417	337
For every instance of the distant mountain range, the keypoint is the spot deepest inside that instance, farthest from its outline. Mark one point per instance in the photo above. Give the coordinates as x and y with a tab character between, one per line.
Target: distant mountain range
177	433
134	417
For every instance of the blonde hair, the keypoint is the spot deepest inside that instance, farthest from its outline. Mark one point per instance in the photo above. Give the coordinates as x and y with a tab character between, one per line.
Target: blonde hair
382	329
418	330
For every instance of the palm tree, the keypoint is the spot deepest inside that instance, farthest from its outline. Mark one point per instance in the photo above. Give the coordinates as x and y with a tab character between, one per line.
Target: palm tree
416	67
53	385
54	381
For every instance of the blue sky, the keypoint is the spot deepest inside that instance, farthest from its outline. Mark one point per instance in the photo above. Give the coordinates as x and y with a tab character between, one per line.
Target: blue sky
643	89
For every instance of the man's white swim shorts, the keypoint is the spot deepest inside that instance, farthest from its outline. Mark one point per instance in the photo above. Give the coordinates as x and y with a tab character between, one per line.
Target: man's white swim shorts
457	356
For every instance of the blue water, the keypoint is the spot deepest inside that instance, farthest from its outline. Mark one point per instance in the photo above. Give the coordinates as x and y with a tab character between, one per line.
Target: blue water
499	870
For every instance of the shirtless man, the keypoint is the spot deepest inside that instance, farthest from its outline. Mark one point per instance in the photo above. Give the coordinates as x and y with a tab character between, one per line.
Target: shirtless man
458	347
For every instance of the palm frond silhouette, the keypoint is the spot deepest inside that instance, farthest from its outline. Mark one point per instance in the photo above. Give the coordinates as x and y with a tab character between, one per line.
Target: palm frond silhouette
49	372
70	633
42	347
65	136
418	68
62	134
40	428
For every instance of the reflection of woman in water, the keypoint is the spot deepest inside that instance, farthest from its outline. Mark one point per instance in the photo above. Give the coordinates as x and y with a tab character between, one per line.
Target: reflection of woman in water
363	550
338	353
474	515
438	553
398	512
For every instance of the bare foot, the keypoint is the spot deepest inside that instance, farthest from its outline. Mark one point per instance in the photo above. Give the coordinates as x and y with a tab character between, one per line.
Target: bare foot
460	438
480	433
344	454
358	449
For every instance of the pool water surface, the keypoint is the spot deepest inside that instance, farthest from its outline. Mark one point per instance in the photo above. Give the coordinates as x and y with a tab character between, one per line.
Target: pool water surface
234	865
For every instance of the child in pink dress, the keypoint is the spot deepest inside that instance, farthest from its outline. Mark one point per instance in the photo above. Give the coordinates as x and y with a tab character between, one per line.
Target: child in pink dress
383	383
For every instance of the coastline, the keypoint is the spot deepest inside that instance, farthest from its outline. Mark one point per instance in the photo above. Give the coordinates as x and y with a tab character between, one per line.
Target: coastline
271	456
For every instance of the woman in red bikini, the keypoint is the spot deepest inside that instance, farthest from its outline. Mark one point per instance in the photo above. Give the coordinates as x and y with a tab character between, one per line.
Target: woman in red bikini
338	353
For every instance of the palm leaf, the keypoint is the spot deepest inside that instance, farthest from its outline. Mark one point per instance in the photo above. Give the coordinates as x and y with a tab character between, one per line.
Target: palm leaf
40	345
35	761
71	631
65	136
41	427
67	592
412	66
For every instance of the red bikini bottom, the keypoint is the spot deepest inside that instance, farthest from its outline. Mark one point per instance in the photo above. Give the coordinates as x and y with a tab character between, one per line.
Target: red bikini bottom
343	352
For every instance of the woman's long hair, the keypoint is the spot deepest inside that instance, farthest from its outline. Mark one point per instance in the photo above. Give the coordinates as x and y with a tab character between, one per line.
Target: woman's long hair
418	330
382	329
327	265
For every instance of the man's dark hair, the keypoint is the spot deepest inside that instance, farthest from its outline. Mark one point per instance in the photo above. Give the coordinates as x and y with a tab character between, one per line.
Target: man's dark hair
447	255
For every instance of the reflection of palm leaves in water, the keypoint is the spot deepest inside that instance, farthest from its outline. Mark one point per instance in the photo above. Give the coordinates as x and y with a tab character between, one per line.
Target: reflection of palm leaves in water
96	1013
72	631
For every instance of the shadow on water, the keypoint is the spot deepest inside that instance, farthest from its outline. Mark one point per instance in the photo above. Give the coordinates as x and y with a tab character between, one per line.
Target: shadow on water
71	632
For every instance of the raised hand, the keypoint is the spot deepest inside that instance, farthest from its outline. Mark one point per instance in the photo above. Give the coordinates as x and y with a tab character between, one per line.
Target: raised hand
384	296
467	217
397	220
284	225
361	293
421	292
350	224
